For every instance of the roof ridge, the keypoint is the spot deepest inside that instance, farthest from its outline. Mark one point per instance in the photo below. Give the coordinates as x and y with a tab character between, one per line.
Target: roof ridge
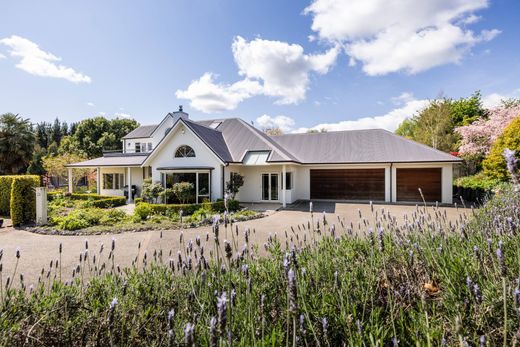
329	132
268	140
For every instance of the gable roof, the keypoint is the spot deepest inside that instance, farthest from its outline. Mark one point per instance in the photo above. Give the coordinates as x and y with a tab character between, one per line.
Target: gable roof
233	138
112	160
359	146
242	137
142	131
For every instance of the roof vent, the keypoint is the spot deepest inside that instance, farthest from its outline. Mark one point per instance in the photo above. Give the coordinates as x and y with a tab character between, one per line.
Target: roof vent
180	108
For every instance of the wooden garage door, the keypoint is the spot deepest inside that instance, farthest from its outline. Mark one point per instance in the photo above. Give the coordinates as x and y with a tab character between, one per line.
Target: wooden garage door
410	180
348	184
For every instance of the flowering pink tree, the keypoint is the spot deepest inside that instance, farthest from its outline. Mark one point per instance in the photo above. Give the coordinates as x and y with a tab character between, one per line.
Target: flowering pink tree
478	137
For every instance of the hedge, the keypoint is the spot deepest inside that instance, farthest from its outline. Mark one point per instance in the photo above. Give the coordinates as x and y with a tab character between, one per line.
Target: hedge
6	183
144	209
101	201
23	199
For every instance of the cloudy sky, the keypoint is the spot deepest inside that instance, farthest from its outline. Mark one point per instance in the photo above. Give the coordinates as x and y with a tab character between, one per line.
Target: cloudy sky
334	64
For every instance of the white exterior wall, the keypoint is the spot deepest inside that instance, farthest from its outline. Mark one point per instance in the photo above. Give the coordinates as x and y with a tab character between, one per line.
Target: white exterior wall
203	157
251	191
137	179
446	179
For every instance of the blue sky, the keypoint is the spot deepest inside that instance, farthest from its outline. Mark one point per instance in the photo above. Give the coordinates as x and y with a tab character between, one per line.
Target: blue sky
293	64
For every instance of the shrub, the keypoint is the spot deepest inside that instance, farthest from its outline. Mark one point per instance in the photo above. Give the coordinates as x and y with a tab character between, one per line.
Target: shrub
23	199
478	181
236	181
144	209
151	190
80	219
5	194
112	216
138	200
91	200
494	164
184	191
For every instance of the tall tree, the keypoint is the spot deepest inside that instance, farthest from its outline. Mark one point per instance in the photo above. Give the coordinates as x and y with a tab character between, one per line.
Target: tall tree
93	135
16	143
435	126
56	131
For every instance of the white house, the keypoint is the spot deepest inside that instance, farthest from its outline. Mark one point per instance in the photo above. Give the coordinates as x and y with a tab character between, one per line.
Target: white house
359	165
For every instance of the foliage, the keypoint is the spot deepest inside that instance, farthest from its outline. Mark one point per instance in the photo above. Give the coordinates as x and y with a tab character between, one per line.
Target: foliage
56	166
273	131
494	164
23	199
478	181
6	183
167	195
107	202
184	191
144	210
315	131
407	128
92	135
151	190
477	138
90	200
434	125
16	143
36	163
428	282
236	181
465	111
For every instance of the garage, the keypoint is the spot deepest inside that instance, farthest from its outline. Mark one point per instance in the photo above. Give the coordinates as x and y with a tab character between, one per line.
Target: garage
408	182
348	184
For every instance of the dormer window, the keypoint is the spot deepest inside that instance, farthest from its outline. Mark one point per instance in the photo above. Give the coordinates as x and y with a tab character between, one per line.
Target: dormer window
184	152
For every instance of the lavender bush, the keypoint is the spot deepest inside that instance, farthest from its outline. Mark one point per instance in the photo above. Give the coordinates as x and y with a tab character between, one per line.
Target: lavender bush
427	282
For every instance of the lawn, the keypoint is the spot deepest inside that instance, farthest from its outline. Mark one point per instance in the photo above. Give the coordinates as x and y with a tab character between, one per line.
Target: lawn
428	281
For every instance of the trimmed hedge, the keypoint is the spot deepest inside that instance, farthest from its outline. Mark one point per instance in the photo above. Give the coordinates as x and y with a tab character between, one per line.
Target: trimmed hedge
144	209
6	183
23	199
94	200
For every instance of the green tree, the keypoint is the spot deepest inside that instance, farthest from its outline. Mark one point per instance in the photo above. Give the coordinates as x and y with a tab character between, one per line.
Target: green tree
184	191
407	128
435	126
36	164
236	181
56	166
465	111
16	143
494	165
93	135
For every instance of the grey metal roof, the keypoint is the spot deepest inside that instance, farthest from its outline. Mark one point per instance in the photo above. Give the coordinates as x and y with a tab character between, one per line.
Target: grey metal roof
359	146
214	139
242	137
112	160
142	131
181	168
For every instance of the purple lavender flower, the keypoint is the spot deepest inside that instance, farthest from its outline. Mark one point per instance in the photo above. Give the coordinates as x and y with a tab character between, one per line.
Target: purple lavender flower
222	312
213	339
501	261
291	288
189	339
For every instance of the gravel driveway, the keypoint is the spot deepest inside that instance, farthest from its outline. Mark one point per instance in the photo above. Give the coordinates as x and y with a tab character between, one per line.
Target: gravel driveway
37	251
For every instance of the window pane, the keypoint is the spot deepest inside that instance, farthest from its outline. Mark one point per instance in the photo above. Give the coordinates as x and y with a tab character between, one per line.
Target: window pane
204	184
108	181
137	147
274	187
265	186
288	180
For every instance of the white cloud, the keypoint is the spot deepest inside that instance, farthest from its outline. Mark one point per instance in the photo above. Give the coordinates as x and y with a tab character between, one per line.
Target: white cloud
91	104
122	115
495	99
389	121
389	36
403	98
2	56
283	122
273	68
282	68
38	62
207	96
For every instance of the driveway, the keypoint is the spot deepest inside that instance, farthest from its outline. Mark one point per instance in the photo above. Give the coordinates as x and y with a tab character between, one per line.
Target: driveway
37	251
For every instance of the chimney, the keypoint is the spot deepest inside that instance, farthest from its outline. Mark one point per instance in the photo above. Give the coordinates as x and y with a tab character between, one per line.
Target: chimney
179	114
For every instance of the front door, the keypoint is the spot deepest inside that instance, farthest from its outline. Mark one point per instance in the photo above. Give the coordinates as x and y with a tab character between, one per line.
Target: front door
270	186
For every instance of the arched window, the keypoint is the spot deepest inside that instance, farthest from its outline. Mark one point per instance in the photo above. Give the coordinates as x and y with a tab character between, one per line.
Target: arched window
184	152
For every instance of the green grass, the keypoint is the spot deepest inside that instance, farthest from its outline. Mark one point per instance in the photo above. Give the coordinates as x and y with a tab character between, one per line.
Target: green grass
412	283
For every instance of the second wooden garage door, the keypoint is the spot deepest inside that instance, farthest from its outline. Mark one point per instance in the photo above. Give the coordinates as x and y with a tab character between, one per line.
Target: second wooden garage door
410	180
348	184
